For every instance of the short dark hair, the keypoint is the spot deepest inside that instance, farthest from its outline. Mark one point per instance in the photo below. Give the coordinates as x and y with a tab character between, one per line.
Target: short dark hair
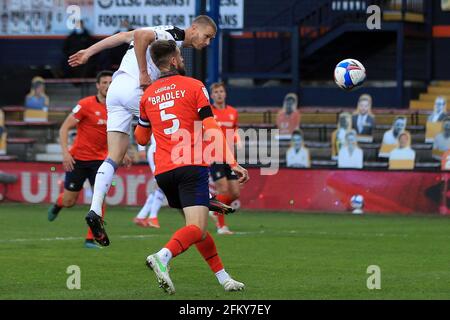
216	85
297	132
161	51
205	20
104	73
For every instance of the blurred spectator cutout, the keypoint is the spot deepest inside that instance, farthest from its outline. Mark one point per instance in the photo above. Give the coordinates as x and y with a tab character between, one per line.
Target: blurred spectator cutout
344	126
434	121
350	155
36	102
297	156
442	140
403	156
390	137
288	118
363	121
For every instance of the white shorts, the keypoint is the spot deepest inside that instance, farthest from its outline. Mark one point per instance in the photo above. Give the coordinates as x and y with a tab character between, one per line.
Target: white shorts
122	102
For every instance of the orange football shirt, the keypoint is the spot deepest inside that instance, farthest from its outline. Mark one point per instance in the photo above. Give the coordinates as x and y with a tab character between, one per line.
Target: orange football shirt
227	118
171	105
90	143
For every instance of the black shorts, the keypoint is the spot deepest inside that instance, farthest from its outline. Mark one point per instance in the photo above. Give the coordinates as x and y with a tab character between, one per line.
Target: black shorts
82	170
185	186
220	170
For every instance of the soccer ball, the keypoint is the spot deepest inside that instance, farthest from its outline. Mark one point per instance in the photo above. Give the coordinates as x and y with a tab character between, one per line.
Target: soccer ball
349	74
357	203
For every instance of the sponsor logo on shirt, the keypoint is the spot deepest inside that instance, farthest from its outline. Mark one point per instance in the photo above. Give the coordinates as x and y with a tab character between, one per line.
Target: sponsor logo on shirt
76	109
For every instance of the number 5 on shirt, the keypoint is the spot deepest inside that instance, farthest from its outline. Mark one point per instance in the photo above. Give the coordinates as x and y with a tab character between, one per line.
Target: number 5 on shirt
169	116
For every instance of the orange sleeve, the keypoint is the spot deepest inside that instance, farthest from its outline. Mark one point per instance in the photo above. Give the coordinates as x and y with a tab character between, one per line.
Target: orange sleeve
78	111
143	118
237	138
210	123
142	135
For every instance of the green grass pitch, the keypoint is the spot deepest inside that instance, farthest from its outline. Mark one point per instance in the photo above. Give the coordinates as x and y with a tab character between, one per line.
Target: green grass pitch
277	255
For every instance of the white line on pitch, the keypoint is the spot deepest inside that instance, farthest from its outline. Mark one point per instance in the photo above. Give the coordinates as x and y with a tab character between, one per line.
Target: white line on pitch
138	236
238	233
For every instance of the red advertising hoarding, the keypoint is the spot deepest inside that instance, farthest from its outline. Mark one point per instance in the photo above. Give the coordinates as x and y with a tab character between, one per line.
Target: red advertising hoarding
289	189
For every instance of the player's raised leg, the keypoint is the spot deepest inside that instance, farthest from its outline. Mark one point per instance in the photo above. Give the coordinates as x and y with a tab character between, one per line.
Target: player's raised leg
117	147
123	94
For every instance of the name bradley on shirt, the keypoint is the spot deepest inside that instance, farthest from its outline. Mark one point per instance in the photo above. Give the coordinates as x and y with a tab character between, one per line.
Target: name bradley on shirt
167	96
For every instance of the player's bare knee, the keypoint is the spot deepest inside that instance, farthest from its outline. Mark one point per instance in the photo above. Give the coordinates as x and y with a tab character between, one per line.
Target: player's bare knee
68	203
234	194
222	189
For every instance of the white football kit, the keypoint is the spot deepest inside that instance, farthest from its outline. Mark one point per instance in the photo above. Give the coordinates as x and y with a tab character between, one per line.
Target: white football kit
124	93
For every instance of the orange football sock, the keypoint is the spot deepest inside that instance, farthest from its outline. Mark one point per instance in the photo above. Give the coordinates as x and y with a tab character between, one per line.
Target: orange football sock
89	235
224	198
59	201
183	238
220	220
208	250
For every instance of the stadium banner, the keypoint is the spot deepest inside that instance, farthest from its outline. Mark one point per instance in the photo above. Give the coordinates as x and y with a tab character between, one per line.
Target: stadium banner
330	191
108	14
309	190
44	17
231	14
104	17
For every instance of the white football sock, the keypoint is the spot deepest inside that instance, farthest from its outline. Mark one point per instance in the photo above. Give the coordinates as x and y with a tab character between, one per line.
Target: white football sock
157	202
164	256
146	208
222	276
103	179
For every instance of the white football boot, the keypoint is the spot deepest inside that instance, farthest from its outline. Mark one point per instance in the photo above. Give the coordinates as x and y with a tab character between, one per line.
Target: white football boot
233	285
224	230
161	272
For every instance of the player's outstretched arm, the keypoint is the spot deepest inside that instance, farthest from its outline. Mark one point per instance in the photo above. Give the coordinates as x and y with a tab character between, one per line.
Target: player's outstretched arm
142	39
68	124
82	56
